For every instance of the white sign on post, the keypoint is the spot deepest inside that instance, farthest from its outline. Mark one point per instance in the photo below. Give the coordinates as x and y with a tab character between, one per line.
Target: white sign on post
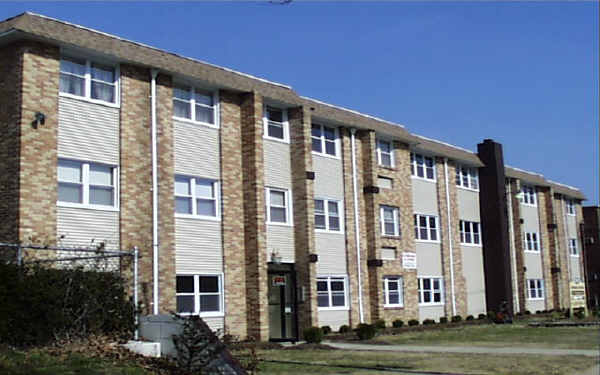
409	261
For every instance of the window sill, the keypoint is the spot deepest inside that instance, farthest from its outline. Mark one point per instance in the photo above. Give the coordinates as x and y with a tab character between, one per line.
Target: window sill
280	224
393	307
194	122
568	214
204	315
327	156
89	100
467	189
390	168
341	232
528	204
433	181
471	244
279	140
341	308
427	241
391	237
575	255
435	304
536	299
198	217
87	206
532	251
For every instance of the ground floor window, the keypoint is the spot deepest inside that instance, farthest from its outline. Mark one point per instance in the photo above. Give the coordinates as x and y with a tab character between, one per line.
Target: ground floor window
200	295
393	291
431	291
331	292
535	288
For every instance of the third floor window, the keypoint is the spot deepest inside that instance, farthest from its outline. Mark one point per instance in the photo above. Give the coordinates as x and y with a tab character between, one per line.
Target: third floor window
88	79
194	104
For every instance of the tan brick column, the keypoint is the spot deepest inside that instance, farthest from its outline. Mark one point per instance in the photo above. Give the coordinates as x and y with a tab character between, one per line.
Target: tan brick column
553	248
562	252
519	246
254	216
580	239
304	219
450	232
232	195
351	257
38	145
546	253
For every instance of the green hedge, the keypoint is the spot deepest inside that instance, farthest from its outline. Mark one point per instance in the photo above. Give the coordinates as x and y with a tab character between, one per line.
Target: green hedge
40	304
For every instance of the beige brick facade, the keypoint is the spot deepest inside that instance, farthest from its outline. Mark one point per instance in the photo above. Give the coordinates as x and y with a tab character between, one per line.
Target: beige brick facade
546	253
519	246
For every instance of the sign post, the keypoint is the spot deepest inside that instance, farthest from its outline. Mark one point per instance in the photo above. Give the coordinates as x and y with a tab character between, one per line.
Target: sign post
577	296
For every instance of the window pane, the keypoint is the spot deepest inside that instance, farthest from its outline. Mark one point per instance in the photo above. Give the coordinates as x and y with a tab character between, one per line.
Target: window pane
277	198
394	298
426	284
437	297
101	195
323	300
319	206
103	73
209	303
436	284
100	175
386	160
433	234
275	130
338	300
204	188
182	93
320	222
73	66
334	223
423	233
72	85
182	109
426	297
384	146
392	285
422	221
206	207
183	205
322	286
330	148
185	284
204	97
337	285
69	193
329	133
69	171
204	114
103	91
275	114
316	131
316	145
185	304
209	284
388	214
182	186
430	174
390	229
333	208
278	215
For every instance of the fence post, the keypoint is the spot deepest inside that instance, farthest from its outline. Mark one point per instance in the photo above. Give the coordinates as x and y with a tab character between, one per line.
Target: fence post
135	290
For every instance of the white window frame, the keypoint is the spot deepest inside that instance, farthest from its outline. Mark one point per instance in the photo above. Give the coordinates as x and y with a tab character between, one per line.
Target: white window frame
340	216
467	177
285	124
197	295
529	195
536	292
396	217
532	242
387	280
421	291
88	81
414	165
573	250
469	227
380	152
217	198
288	206
323	141
192	90
85	183
570	207
427	227
330	293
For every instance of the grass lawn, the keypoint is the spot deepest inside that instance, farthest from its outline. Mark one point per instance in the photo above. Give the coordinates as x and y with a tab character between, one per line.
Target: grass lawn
443	362
501	335
35	362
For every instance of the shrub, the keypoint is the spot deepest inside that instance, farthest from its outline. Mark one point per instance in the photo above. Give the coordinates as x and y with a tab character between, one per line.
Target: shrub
537	312
470	317
519	314
579	314
326	330
527	312
456	318
398	323
481	316
428	322
491	315
313	335
443	320
379	324
413	322
365	331
344	329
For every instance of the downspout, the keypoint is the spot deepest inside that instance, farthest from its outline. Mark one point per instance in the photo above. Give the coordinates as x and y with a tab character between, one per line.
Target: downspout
356	224
154	73
450	237
513	256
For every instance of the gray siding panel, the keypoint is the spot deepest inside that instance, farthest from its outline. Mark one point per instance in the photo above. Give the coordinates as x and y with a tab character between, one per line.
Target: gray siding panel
533	262
281	239
278	169
575	270
468	205
333	318
88	131
535	305
332	253
531	220
215	323
329	177
474	277
196	150
80	226
429	259
198	246
424	197
431	312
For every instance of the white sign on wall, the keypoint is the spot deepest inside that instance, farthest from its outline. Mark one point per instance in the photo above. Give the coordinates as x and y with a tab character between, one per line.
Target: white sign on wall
409	261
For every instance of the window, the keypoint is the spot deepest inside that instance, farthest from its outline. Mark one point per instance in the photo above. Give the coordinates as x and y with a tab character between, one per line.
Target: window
278	202
430	291
385	153
88	79
426	228
529	195
469	233
197	197
194	104
199	295
535	288
324	140
388	253
393	291
385	182
331	292
422	166
275	122
532	242
327	215
570	207
390	224
573	247
467	177
87	184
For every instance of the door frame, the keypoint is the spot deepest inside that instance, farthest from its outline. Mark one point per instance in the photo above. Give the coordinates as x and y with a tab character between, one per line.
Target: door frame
288	269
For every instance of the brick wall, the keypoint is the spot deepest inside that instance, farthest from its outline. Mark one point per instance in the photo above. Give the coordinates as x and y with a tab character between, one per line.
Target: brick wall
519	246
553	249
546	253
562	253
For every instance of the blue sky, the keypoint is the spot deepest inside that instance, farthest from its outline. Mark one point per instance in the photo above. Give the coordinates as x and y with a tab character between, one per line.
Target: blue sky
523	74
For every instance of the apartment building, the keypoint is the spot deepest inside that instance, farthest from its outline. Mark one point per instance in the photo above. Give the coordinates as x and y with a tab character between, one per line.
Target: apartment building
591	216
258	209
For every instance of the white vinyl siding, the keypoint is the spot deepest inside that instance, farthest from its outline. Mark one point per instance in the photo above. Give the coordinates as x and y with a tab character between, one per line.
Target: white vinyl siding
198	246
329	177
331	248
280	239
334	318
79	227
196	150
